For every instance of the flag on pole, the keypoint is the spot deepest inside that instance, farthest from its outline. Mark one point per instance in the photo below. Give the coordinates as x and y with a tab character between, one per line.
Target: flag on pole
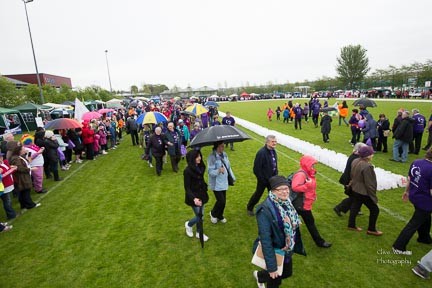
80	109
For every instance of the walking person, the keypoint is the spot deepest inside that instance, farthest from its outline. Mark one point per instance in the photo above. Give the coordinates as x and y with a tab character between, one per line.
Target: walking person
370	130
298	111
286	115
195	190
326	126
270	114
265	167
424	266
219	167
278	113
419	192
132	128
304	181
229	120
156	147
173	140
278	228
315	108
364	185
345	205
343	113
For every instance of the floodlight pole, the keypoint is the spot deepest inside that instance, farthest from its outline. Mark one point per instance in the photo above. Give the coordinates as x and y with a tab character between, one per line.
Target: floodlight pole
34	55
109	77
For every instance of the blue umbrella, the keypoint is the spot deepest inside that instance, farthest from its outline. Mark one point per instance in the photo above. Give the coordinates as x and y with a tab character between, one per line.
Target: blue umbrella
211	103
151	118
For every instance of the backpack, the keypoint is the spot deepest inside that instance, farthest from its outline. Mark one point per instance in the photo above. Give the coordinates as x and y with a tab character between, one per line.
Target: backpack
296	198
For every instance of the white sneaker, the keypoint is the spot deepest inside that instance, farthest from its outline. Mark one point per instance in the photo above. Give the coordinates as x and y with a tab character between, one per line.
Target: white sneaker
150	165
213	219
204	236
260	285
223	220
189	231
104	152
37	205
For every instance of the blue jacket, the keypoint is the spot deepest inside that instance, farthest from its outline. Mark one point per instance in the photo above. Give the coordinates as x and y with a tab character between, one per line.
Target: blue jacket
272	235
217	181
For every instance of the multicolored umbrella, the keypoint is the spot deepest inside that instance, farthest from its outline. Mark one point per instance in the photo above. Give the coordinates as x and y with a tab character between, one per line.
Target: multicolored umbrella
62	123
151	118
90	115
197	109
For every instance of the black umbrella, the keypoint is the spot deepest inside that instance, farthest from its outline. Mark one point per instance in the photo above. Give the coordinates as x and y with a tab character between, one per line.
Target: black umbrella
184	112
200	226
225	133
366	102
328	109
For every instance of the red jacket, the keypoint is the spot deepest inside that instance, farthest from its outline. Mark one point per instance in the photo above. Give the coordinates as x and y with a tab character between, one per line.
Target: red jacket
87	135
306	184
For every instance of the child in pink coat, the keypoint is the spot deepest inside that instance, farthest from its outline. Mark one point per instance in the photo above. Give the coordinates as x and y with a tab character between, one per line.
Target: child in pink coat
270	114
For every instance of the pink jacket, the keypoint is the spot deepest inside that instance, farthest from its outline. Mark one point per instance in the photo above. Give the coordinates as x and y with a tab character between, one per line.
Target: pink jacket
306	184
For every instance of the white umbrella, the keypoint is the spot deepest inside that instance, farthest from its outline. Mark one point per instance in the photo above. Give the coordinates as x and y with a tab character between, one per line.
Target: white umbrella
233	95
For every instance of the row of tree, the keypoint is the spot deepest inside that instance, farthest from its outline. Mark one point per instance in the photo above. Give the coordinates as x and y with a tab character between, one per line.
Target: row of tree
352	69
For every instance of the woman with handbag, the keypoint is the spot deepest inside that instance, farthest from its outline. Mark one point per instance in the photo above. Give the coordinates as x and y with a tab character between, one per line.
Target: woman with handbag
278	228
383	126
220	174
364	185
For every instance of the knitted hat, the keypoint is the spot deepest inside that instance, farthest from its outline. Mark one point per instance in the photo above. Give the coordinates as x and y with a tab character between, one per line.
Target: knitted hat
365	151
277	181
48	134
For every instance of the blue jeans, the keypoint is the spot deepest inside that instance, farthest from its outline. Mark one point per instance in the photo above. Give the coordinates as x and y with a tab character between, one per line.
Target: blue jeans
195	220
399	143
7	205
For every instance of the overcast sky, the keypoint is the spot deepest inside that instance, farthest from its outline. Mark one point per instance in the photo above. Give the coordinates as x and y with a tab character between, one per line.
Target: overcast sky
208	43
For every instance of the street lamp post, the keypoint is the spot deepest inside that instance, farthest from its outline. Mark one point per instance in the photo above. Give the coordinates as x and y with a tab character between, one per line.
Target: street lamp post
109	77
34	55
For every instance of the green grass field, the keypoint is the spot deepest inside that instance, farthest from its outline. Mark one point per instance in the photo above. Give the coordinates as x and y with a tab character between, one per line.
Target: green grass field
113	223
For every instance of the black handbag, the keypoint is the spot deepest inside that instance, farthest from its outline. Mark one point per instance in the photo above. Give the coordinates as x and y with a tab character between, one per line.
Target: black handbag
230	178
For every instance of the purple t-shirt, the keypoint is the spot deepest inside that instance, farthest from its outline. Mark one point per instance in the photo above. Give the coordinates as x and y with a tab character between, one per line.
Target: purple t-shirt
228	121
420	175
419	123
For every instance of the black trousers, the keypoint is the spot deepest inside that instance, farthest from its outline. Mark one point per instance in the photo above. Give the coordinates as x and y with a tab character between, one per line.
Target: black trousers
355	135
420	222
159	164
175	159
219	206
25	199
89	151
264	276
382	143
315	119
358	200
53	167
429	142
134	136
345	205
256	196
309	220
325	137
415	145
297	121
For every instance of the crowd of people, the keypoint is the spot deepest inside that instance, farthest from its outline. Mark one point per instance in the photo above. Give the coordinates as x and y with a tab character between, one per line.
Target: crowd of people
24	163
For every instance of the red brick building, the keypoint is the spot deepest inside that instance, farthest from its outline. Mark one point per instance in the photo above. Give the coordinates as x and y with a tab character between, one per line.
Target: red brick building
46	79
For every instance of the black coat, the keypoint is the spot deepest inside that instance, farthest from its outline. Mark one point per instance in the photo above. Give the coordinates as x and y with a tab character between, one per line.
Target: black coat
157	145
194	183
263	166
404	131
51	150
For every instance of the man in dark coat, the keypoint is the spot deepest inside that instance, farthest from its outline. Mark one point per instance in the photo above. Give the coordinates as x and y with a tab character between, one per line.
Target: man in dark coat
403	136
173	141
132	128
265	167
157	146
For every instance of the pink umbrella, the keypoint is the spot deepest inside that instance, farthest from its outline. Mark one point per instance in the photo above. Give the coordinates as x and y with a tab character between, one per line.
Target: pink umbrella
105	110
91	115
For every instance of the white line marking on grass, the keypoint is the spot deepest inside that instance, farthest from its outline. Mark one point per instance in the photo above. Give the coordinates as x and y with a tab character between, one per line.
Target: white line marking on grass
53	188
328	179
